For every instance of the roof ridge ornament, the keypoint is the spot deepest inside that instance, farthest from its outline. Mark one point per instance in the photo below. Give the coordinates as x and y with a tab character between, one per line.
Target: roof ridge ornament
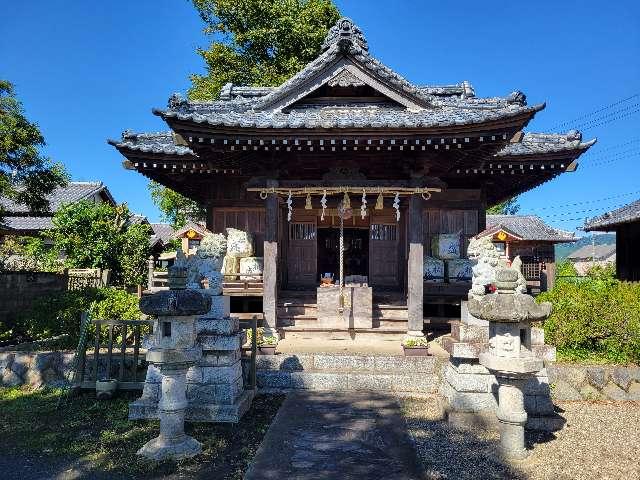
176	100
345	33
518	98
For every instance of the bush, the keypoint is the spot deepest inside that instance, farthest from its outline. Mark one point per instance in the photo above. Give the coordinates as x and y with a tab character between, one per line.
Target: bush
115	304
60	313
597	318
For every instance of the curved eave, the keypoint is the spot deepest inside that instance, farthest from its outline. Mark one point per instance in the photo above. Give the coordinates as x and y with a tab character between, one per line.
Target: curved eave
569	157
128	150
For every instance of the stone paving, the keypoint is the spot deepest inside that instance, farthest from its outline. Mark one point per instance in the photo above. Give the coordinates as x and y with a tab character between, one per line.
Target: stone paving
337	435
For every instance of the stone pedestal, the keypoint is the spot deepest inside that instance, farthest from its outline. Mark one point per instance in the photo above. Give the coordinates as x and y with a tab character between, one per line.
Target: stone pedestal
214	385
357	311
172	441
512	417
472	390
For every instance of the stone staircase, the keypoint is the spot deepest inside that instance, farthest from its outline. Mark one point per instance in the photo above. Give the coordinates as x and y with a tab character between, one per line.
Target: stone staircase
411	376
298	317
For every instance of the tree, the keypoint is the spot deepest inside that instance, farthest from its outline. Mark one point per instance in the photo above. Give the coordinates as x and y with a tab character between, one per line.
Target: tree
508	207
259	42
255	42
26	176
176	209
99	235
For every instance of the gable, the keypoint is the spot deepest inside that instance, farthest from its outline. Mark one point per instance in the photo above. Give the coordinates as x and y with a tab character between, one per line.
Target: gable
346	63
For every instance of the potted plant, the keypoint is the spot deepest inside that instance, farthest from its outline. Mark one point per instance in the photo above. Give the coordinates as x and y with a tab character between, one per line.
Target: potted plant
415	347
266	344
106	388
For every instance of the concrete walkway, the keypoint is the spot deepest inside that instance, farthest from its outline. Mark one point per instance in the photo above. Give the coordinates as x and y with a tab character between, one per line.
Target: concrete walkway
337	435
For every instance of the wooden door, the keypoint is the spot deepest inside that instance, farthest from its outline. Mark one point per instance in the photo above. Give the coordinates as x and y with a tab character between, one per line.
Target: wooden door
383	252
302	253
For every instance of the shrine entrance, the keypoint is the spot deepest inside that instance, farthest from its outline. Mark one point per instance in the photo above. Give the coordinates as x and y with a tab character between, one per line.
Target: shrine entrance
356	251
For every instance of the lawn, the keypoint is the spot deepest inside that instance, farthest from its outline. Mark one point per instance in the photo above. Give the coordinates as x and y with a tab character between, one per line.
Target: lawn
98	433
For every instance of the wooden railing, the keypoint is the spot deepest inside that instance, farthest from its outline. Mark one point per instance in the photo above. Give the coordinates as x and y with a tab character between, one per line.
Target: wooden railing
238	285
125	350
86	378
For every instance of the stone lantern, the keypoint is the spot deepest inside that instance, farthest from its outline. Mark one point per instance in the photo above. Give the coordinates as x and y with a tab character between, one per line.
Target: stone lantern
174	351
510	357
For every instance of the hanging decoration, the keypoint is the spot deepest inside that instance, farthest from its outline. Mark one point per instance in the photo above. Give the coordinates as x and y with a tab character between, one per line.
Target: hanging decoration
307	203
346	202
363	205
289	208
380	202
396	205
323	202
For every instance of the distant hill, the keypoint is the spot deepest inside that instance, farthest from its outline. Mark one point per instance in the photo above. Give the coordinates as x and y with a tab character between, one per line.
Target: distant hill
564	249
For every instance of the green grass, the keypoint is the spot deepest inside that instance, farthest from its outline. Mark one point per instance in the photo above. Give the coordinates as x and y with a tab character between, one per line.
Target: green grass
98	432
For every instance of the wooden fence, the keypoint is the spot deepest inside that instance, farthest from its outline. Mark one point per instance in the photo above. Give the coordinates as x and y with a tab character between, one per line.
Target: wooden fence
122	341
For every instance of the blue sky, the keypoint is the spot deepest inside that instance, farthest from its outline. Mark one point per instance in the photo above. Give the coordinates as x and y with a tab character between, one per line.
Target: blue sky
85	71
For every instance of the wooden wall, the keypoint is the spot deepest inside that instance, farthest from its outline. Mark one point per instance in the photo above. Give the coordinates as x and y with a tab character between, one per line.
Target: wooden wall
627	252
437	221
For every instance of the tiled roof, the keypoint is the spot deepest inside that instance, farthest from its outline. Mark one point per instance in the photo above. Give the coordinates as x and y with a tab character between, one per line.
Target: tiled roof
346	57
537	143
346	117
73	192
27	223
162	232
528	227
626	214
160	142
598	252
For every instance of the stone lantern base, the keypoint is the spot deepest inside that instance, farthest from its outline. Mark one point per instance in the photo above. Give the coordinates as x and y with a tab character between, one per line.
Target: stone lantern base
177	449
214	386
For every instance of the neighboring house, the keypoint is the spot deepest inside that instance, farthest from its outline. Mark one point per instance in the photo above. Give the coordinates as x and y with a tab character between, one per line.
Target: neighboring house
625	221
586	257
162	235
533	240
19	220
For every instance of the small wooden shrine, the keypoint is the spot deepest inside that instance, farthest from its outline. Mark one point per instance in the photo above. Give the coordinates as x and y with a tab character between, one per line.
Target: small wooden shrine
347	153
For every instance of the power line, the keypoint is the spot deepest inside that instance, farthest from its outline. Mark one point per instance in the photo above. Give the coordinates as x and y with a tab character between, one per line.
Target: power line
595	200
602	109
615	146
615	159
598	209
611	155
608	115
605	122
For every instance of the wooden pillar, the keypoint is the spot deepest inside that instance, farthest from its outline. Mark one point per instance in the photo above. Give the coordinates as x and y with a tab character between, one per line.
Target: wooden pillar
415	268
270	271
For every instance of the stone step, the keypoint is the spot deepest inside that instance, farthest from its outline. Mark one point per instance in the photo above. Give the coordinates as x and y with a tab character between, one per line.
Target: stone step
313	332
334	362
297	320
290	310
361	380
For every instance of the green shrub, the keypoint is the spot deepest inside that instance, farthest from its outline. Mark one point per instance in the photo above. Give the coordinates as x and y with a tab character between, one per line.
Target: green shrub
60	313
115	304
596	318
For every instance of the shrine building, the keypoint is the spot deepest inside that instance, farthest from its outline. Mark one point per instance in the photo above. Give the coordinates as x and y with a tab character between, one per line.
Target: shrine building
348	152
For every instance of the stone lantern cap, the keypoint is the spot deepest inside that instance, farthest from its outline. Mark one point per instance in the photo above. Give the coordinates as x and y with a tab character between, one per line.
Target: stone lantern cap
175	303
507	306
